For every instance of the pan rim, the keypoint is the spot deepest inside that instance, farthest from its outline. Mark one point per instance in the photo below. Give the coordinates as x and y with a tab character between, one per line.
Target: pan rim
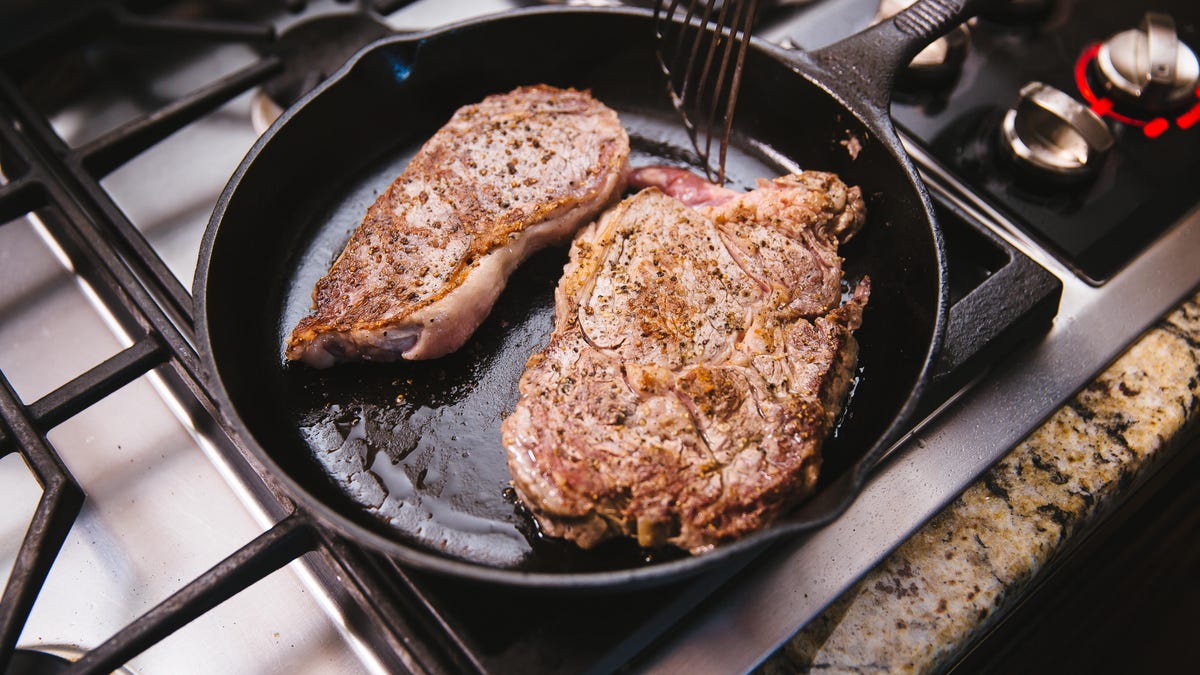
633	577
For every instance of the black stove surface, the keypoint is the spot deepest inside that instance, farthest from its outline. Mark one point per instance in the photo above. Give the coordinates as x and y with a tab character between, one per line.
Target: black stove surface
1097	225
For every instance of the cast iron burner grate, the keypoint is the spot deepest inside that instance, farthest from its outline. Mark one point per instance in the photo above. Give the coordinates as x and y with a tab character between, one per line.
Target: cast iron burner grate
411	621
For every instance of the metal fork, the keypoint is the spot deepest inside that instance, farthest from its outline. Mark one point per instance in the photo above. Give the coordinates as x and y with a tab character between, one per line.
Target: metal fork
702	57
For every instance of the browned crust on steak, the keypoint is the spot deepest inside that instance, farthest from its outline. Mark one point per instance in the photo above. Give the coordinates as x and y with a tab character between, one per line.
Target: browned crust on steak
501	179
693	373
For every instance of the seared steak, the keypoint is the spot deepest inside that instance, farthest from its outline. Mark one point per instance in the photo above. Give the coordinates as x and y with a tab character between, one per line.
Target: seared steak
699	358
503	178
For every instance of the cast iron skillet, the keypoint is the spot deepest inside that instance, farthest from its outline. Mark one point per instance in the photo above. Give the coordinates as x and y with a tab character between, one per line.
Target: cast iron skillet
406	457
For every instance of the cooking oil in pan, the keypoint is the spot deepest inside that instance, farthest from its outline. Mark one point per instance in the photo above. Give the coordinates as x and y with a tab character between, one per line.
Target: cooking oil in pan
417	444
398	468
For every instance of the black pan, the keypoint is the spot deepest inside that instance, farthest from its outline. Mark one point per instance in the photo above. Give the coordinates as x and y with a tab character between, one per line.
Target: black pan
435	493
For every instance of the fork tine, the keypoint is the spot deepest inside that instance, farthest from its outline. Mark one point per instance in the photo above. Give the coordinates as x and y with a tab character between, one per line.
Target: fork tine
663	22
691	59
706	90
714	47
734	87
718	86
661	17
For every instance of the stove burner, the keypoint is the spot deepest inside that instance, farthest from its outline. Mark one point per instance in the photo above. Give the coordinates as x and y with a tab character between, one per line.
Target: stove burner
311	50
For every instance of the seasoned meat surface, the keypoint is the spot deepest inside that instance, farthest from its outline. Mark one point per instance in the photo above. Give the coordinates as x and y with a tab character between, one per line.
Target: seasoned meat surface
698	360
502	179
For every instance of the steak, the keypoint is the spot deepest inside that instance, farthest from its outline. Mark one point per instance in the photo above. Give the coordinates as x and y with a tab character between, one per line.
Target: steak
699	358
502	179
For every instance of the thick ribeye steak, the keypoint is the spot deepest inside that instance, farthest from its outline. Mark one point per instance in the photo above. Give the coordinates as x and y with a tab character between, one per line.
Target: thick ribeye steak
699	358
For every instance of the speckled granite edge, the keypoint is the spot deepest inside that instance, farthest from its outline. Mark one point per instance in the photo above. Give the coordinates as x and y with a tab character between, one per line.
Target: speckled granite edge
924	604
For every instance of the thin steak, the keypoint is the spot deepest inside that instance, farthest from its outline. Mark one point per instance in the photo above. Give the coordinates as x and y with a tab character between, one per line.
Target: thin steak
699	358
504	178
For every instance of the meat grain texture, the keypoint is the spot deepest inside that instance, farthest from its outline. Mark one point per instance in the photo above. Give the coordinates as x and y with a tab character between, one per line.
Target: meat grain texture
699	358
502	179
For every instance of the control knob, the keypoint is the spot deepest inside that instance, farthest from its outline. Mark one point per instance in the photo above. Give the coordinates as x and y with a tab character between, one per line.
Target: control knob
1053	135
1148	66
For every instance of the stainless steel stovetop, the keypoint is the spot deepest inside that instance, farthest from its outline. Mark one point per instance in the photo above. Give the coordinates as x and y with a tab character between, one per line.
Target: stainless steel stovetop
166	499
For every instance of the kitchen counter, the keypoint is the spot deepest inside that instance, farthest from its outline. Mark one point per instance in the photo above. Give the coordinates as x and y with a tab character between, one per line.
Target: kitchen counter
931	600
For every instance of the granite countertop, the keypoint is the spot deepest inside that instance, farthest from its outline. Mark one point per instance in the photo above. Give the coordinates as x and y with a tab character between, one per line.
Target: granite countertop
925	604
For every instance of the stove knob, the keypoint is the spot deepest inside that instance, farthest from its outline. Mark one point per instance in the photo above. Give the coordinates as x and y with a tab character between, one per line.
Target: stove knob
1148	65
942	57
1053	135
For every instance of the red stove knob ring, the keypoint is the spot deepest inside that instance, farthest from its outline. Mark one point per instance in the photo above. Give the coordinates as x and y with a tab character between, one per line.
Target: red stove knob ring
1144	77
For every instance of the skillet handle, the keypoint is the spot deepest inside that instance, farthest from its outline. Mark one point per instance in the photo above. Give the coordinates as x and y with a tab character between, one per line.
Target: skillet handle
868	61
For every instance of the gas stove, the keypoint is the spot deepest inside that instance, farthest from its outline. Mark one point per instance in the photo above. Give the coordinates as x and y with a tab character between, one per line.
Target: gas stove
140	535
1041	109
